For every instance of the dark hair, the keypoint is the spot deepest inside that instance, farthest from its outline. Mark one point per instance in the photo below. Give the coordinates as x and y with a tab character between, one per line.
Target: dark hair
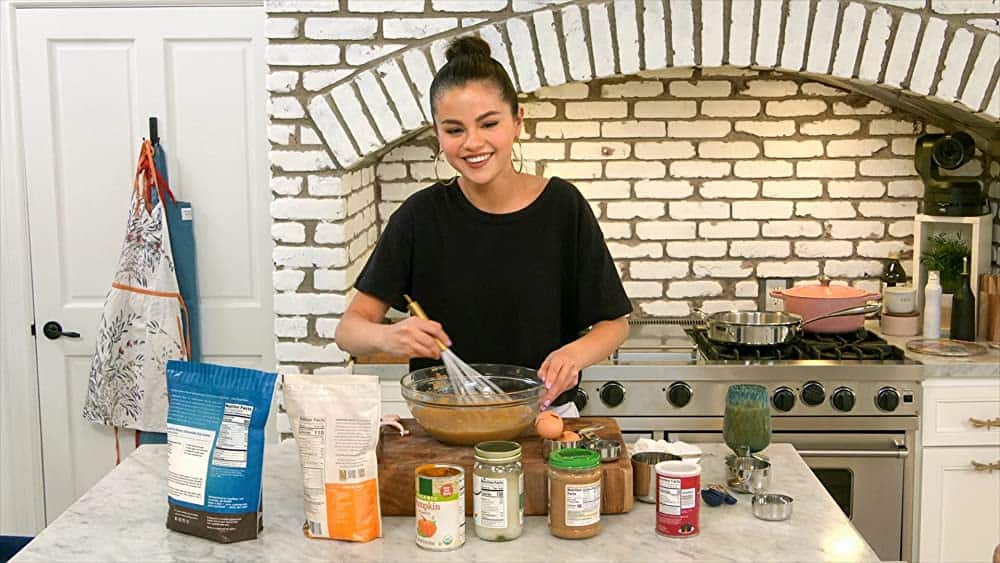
468	60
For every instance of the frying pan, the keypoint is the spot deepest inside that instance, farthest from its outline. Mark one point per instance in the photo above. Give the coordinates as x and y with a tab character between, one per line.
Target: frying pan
770	328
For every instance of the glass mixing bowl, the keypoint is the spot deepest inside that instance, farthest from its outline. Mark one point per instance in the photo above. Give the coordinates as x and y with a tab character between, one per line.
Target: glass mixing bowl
452	420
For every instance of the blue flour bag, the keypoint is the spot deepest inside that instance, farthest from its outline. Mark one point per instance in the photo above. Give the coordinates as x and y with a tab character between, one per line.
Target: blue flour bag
215	440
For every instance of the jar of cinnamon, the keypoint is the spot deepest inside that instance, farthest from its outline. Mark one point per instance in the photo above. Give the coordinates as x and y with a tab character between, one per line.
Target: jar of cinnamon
575	493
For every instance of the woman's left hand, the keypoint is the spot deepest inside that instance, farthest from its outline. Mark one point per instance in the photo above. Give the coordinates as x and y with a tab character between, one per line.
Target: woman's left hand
560	371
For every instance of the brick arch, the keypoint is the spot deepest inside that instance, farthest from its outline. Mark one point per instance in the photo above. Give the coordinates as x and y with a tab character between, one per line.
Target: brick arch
931	57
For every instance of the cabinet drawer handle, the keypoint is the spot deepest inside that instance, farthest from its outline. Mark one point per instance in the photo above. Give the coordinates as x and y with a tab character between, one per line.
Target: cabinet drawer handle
986	466
985	423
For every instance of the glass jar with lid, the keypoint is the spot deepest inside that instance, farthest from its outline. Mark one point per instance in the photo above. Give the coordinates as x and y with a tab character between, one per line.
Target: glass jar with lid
575	493
498	491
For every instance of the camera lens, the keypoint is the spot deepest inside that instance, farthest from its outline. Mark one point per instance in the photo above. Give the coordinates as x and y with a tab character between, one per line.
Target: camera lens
952	151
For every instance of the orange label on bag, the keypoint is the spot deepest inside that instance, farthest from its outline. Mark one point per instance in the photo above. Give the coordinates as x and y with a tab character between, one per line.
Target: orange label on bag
352	511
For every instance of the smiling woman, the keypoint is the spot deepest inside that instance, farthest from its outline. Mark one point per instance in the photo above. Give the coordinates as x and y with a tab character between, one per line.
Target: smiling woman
514	265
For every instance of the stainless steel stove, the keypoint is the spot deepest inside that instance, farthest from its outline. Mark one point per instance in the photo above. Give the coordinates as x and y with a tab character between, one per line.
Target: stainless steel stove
848	403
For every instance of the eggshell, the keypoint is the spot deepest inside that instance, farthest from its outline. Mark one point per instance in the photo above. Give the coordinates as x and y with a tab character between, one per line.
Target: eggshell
569	436
549	425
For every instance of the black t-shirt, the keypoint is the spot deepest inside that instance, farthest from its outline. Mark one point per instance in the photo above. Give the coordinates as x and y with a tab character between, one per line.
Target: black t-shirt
507	288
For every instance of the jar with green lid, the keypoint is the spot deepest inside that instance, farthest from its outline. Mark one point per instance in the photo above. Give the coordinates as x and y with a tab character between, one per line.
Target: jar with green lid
574	493
498	491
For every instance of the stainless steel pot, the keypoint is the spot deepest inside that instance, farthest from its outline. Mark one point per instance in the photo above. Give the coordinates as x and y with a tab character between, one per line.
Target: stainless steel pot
753	328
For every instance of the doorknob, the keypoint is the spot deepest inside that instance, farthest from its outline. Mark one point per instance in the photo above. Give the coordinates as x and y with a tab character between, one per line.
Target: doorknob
53	330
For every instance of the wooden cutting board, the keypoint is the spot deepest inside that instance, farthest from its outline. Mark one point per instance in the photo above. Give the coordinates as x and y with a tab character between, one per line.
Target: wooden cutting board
399	457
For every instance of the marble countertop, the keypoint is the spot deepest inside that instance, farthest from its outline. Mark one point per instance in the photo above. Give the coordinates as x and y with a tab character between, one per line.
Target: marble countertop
122	518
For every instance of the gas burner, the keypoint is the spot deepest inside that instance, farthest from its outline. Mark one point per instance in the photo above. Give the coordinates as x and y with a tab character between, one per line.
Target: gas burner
860	345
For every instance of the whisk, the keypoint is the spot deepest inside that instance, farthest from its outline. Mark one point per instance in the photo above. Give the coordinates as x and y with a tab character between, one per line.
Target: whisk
469	384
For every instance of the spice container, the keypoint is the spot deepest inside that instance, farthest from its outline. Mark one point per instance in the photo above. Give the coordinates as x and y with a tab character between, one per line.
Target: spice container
498	491
574	493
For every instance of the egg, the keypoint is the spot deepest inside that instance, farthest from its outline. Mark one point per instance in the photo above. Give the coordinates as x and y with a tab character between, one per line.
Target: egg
569	436
549	425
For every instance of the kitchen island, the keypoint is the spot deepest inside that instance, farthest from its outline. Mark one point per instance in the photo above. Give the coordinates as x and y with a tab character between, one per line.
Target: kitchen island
122	519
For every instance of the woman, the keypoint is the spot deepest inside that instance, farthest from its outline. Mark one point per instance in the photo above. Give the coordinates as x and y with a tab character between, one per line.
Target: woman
512	264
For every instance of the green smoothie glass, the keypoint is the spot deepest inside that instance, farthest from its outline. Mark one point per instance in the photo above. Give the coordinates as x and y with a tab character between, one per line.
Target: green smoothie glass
746	427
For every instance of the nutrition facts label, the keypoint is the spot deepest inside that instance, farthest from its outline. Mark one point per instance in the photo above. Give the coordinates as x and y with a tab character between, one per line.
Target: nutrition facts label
583	504
673	498
490	502
231	447
311	439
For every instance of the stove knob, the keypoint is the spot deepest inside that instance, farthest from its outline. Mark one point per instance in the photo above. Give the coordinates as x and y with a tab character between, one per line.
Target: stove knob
580	399
842	399
813	394
679	394
612	393
784	399
887	399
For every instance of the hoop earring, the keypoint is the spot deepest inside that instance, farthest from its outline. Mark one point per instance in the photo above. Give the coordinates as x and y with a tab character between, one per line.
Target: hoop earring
520	158
437	175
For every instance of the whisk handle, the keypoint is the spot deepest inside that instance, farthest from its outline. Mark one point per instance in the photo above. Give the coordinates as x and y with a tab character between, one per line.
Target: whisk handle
417	310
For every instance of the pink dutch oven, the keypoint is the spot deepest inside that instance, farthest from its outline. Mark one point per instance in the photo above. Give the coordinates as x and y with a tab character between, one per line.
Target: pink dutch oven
810	301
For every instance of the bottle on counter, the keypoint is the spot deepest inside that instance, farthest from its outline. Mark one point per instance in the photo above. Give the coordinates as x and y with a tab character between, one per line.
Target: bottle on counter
893	274
963	308
932	305
498	491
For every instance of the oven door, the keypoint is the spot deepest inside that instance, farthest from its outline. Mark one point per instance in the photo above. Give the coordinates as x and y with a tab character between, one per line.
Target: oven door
864	473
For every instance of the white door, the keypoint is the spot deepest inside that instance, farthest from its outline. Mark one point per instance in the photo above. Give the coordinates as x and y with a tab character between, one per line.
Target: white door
89	78
959	506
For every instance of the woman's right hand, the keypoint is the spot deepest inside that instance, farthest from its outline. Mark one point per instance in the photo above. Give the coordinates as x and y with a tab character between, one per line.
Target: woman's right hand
414	338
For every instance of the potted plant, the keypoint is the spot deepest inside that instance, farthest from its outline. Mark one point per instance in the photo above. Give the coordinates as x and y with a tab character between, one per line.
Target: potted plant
944	253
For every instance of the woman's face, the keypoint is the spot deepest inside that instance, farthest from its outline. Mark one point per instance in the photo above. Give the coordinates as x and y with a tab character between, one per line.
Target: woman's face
476	131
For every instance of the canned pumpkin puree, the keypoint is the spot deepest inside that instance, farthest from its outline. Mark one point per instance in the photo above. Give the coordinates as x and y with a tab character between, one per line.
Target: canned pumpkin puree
440	506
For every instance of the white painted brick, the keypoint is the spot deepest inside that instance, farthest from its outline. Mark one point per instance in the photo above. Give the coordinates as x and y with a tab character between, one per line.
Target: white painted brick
663	189
336	280
416	28
700	249
351	111
286	107
634	169
576	44
358	55
930	51
912	4
302	352
551	151
280	134
793	149
727	229
288	232
286	186
870	107
643	289
326	328
730	149
666	109
906	188
699	169
282	28
664	150
763	169
975	92
759	249
854	230
665	308
766	128
856	189
601	40
728	189
307	257
699	210
730	108
681	289
287	280
606	150
888	167
821	36
853	268
378	106
746	289
763	209
325	185
303	208
902	229
391	171
291	327
421	76
632	89
854	147
282	82
604	189
616	230
470	6
796	269
791	229
794	43
831	127
653	35
716	306
793	108
793	189
334	134
713	27
825	169
825	209
682	32
573	170
721	269
315	80
276	6
309	136
360	199
893	127
954	64
770	88
567	129
874	49
741	24
824	249
888	209
849	42
660	270
669	72
341	28
817	89
700	89
571	91
966	6
399	191
596	110
698	129
873	249
621	251
627	34
903	146
769	33
333	233
303	55
665	230
528	79
631	210
300	161
548	47
902	49
619	129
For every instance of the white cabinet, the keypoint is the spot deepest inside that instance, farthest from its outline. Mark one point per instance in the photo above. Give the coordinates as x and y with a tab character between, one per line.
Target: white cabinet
960	485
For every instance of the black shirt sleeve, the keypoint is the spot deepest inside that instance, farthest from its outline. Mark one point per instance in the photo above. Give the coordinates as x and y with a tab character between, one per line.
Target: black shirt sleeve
388	273
600	294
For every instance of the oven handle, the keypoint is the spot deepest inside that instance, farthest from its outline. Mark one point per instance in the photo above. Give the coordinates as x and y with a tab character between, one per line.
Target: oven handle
899	453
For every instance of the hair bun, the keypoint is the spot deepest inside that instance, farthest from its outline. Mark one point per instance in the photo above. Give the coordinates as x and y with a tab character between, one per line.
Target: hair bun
468	46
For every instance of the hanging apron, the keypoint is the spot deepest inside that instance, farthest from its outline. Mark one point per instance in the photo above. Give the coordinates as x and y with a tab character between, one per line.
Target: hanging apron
144	321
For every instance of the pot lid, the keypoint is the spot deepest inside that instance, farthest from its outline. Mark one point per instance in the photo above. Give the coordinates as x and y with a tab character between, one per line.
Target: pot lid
826	291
